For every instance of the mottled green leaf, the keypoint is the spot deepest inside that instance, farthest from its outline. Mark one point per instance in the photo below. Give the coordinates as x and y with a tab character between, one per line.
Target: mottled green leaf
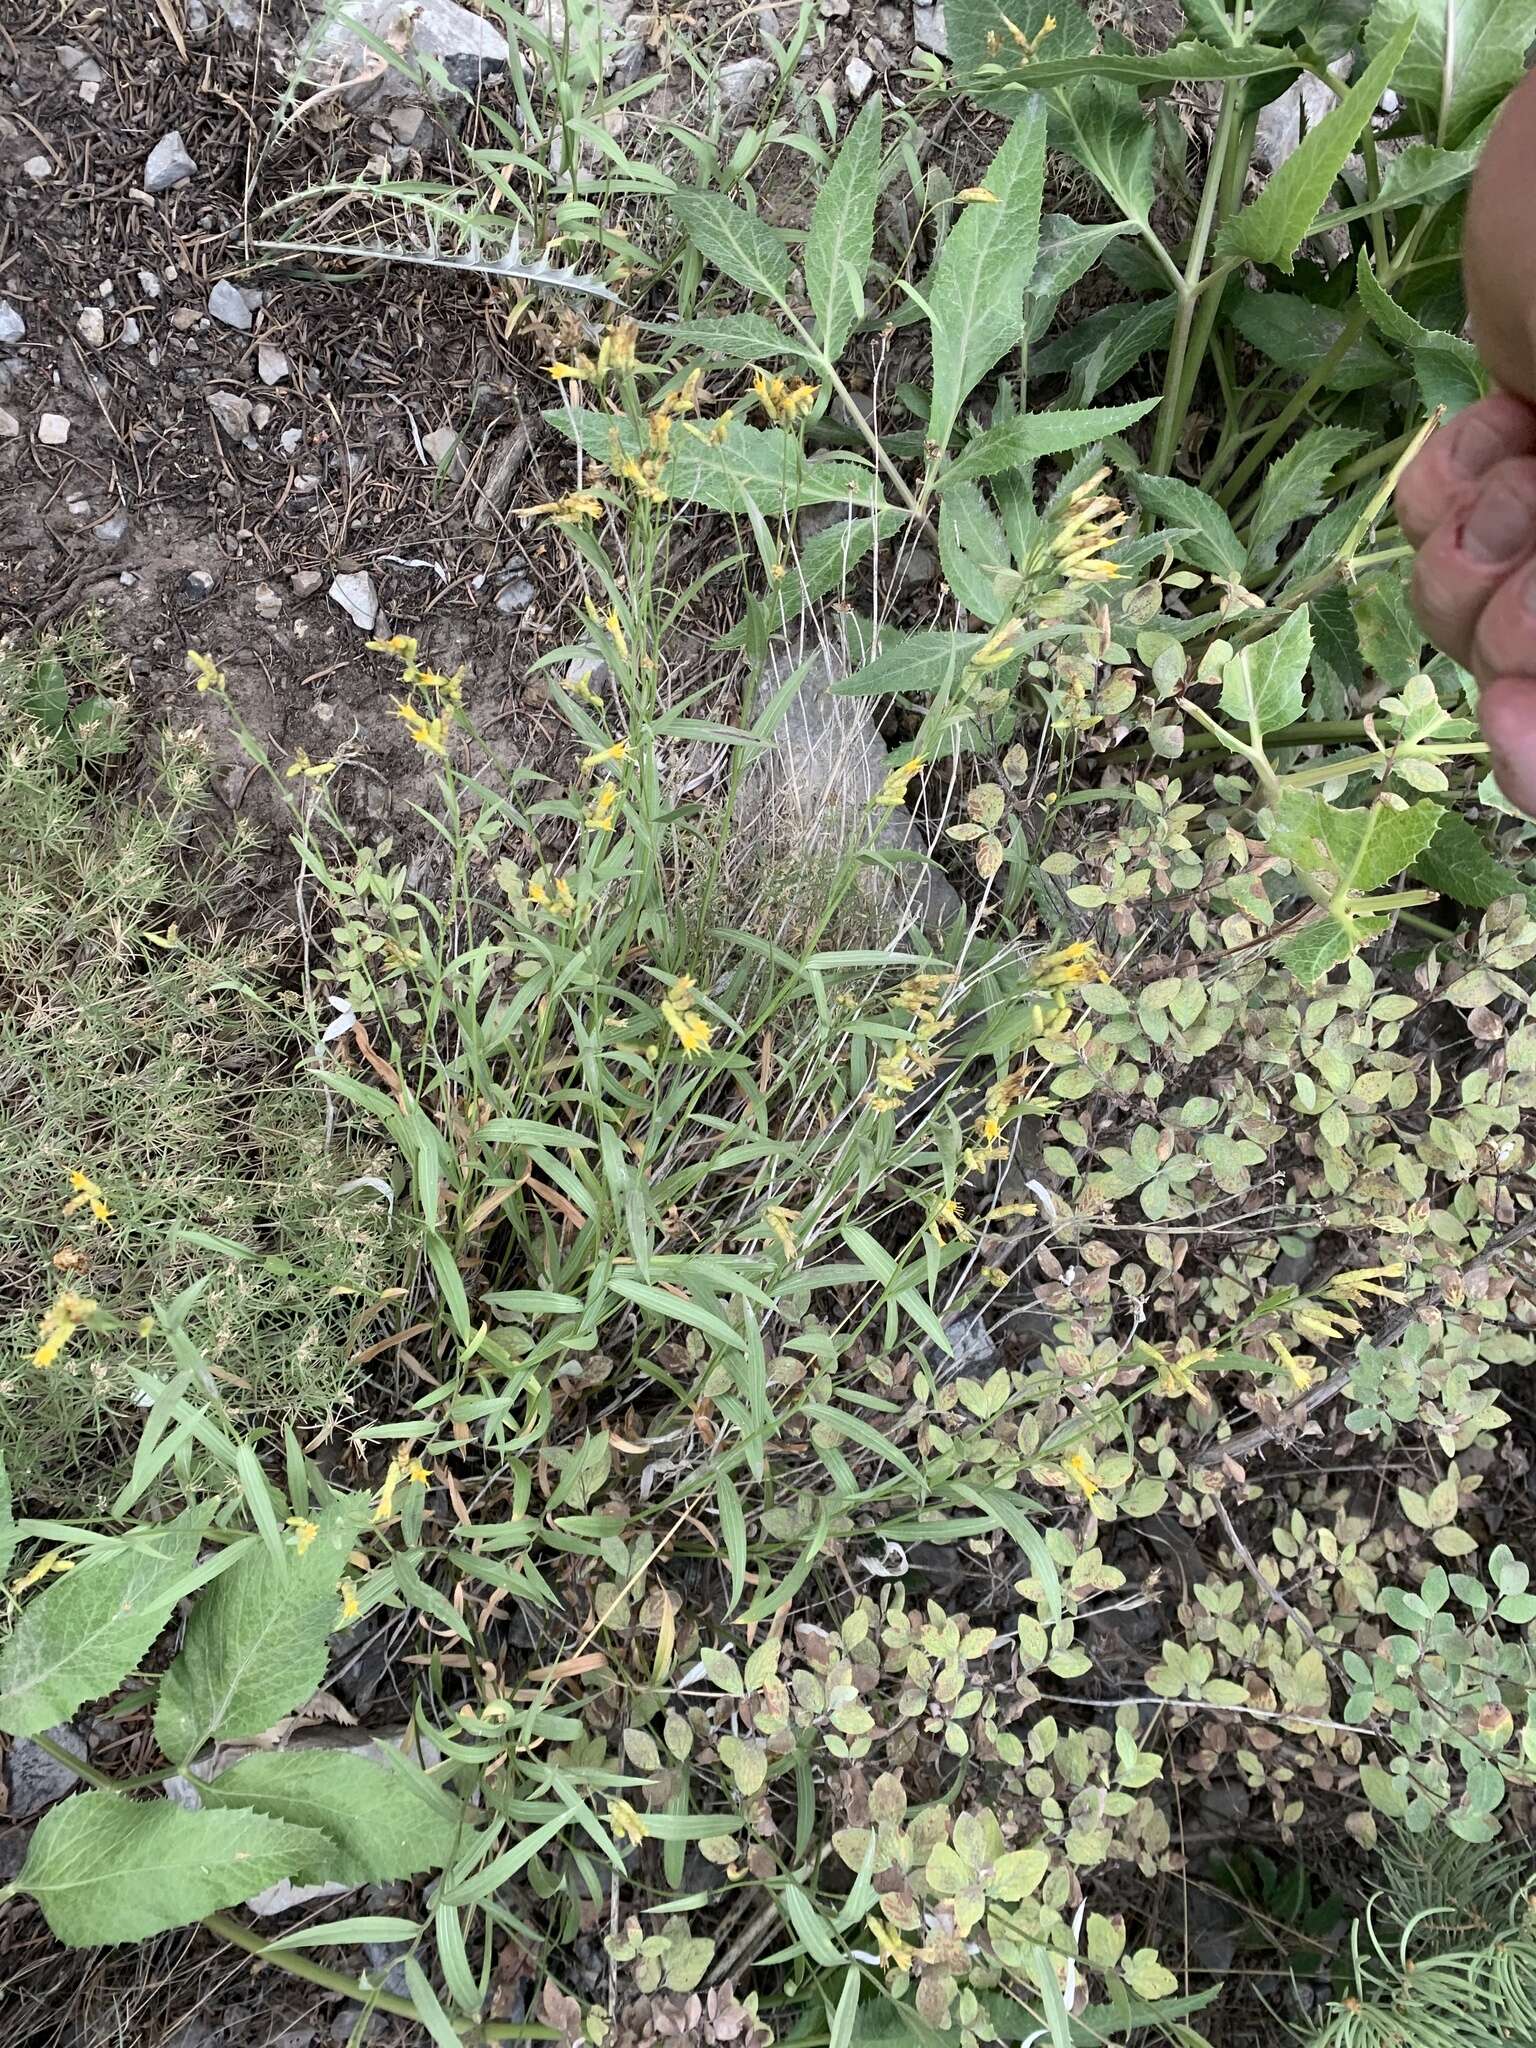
82	1635
918	665
377	1826
973	550
737	338
976	294
746	249
1297	336
105	1868
1459	865
842	233
1208	541
1068	250
1317	947
1294	489
1351	849
1261	684
1033	436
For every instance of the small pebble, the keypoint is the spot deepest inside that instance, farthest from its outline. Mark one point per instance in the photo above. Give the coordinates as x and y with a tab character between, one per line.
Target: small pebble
515	595
226	302
358	597
79	508
38	168
12	326
291	440
168	164
131	331
92	327
268	604
305	582
53	430
149	284
929	31
271	364
197	586
260	416
185	317
10	426
112	529
232	412
859	76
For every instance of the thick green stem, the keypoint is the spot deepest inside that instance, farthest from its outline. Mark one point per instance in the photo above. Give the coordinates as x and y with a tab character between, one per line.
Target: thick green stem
1192	328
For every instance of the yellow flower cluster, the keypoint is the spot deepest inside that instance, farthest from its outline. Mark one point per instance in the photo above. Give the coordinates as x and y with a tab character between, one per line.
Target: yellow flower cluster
912	1059
551	893
784	399
893	790
58	1324
86	1196
946	1216
1070	966
601	811
617	355
301	766
402	1467
204	671
571	510
680	1009
1090	523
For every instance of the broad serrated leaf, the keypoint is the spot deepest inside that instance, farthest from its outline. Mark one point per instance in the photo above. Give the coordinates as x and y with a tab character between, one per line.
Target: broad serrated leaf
1099	350
1275	225
1298	336
1209	541
1456	59
1261	684
1294	489
762	466
255	1643
918	665
1317	947
375	1826
973	550
1421	171
736	338
1459	865
105	1868
1104	128
822	563
1191	62
79	1638
976	294
746	249
1351	849
842	233
1391	639
1068	250
1450	374
1035	435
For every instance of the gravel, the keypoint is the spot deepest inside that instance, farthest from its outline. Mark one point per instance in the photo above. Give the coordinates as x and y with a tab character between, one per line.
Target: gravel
168	164
227	303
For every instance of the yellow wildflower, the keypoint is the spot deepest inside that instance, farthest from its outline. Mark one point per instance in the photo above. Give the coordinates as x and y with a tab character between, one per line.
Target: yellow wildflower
679	1007
614	627
616	352
686	398
551	893
644	472
431	734
1357	1288
618	752
780	1222
895	1076
1300	1368
947	1217
1079	1469
402	1467
895	1952
1069	966
893	790
304	1532
449	688
311	771
350	1609
784	399
582	371
51	1561
625	1822
717	435
58	1323
570	510
403	646
977	195
1000	645
86	1196
600	812
206	671
1090	523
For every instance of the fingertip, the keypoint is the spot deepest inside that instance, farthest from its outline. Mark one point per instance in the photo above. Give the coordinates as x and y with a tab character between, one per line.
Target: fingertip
1507	711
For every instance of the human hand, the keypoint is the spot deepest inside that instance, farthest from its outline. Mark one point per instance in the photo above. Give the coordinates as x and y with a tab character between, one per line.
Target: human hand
1468	501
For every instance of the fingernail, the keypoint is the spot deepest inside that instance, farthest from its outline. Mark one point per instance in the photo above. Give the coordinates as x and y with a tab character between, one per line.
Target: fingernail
1476	446
1500	526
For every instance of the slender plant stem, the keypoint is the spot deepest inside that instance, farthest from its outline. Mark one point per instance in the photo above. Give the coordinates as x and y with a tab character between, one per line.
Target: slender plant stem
1184	357
866	432
1281	425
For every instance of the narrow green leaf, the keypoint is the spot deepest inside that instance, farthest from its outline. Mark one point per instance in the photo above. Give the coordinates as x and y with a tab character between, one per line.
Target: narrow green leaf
255	1645
842	233
429	2006
1295	488
105	1868
1274	226
1209	541
1191	62
82	1635
973	550
1421	171
733	1532
1068	250
1034	435
814	1932
1261	684
736	242
976	293
1297	336
676	1308
846	2017
376	1828
7	1521
735	338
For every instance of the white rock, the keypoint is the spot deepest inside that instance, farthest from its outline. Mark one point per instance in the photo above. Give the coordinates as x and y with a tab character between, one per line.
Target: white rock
291	440
92	327
443	450
79	508
271	364
359	599
516	594
112	529
38	168
12	326
10	426
168	163
743	84
465	44
268	604
260	415
305	582
859	76
53	430
149	284
131	331
226	302
928	30
232	412
1285	120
